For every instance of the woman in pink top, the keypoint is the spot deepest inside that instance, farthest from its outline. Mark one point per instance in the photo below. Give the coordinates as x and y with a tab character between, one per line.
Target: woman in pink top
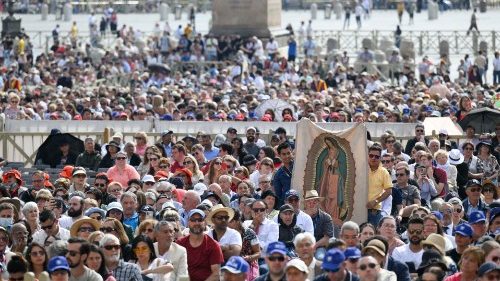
141	143
121	171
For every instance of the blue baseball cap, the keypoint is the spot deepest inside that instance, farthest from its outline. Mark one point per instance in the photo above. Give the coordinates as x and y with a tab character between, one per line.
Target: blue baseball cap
333	260
437	214
236	265
196	211
487	267
57	263
494	213
291	193
352	253
464	229
276	247
476	217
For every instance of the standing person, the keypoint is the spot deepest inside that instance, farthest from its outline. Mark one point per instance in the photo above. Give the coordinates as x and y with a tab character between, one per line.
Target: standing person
379	185
292	49
283	176
400	9
358	11
347	19
411	11
397	36
204	253
473	22
496	69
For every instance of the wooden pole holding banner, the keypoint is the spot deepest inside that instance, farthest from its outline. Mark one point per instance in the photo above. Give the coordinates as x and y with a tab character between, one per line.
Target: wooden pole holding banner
106	135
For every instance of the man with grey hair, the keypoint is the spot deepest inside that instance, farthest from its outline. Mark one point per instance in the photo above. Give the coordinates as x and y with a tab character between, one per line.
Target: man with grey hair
165	247
349	233
419	137
129	204
166	189
190	201
304	247
122	271
89	158
57	248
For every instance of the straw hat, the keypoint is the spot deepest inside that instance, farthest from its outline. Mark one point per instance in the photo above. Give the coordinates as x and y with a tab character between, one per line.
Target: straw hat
217	209
74	228
312	194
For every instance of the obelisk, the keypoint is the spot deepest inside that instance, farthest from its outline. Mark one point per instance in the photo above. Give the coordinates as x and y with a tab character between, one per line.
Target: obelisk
261	18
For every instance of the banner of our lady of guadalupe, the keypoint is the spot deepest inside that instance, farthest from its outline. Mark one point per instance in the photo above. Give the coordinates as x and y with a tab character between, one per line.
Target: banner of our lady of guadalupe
334	163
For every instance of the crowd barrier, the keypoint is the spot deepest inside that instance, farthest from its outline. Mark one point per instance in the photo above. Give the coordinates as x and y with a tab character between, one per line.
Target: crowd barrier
20	139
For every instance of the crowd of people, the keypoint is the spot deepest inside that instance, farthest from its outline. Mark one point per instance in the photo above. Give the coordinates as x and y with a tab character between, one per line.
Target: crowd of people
209	208
224	208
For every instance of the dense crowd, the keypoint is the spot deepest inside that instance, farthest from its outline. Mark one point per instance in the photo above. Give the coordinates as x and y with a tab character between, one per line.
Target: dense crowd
224	208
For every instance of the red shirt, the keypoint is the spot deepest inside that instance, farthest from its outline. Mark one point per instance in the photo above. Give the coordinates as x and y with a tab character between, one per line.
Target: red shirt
441	177
201	258
175	167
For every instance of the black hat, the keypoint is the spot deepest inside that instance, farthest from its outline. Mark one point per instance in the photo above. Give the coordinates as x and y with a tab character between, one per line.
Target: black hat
249	159
113	143
473	182
430	258
177	181
286	207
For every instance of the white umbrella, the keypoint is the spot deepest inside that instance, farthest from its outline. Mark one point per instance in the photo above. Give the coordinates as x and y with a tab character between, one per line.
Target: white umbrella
276	105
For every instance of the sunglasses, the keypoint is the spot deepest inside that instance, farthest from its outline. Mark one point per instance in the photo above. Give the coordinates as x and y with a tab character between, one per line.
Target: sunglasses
112	247
149	183
196	219
415	231
86	229
487	190
107	229
37	254
163	166
419	131
364	267
458	210
217	163
188	162
373	156
141	249
48	226
221	218
98	218
259	210
99	184
73	253
277	258
121	158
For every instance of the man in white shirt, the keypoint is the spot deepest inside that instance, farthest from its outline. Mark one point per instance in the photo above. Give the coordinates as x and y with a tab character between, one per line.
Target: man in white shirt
51	230
304	246
412	253
266	229
229	239
496	68
272	48
75	212
304	221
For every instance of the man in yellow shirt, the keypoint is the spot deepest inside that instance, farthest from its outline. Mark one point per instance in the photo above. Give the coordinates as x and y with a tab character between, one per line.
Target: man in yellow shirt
379	184
74	34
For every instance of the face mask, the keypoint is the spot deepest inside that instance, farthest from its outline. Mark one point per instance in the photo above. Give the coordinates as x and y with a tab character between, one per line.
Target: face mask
6	222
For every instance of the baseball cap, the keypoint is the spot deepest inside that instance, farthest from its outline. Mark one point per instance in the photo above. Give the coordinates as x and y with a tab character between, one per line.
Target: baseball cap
476	217
146	209
276	247
236	265
79	171
487	267
333	260
168	132
286	207
57	263
169	205
148	178
196	211
298	264
473	182
291	193
494	213
200	188
464	229
352	253
114	206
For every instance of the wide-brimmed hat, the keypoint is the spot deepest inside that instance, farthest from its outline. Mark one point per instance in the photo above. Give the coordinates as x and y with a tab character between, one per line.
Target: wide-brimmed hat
217	209
76	225
15	173
376	245
431	258
455	157
312	194
437	241
113	143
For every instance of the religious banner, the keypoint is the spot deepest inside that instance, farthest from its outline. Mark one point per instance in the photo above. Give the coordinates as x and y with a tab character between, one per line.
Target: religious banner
334	163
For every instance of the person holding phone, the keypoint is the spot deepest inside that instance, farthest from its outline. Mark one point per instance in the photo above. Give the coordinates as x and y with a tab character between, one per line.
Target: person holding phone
427	187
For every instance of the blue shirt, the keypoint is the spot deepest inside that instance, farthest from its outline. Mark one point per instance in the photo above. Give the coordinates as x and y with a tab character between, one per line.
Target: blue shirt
211	154
281	182
292	49
132	221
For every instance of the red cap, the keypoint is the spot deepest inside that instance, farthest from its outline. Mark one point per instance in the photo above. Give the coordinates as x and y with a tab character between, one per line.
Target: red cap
67	172
160	174
14	173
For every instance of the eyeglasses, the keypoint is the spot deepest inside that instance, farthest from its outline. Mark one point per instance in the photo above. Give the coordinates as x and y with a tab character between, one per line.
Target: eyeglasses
99	184
187	163
73	253
364	267
47	227
112	247
373	156
121	158
400	175
86	229
107	229
196	219
277	258
37	254
259	210
141	249
220	218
